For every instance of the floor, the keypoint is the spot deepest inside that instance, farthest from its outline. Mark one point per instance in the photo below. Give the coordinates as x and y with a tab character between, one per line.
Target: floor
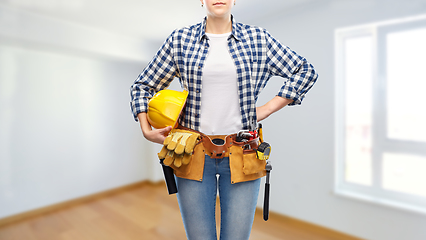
145	212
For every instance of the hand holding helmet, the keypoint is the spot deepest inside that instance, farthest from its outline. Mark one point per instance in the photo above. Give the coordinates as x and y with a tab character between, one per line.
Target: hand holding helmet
164	110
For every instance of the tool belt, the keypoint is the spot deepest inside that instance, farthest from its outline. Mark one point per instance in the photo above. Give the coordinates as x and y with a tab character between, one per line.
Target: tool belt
243	161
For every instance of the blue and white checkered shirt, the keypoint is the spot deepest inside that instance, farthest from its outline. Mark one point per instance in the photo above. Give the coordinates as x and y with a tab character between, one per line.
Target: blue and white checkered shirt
257	56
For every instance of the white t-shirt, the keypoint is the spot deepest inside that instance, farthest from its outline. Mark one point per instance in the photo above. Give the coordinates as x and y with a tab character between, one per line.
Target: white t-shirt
220	107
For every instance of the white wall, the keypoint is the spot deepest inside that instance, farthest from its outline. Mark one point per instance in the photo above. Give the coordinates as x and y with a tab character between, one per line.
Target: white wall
35	29
66	128
302	137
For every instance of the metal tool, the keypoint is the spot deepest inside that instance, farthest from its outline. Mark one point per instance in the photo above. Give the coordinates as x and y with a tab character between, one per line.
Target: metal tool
263	151
267	188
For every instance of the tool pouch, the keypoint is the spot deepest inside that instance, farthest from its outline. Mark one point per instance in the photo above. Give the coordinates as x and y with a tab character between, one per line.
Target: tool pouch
251	163
195	168
244	164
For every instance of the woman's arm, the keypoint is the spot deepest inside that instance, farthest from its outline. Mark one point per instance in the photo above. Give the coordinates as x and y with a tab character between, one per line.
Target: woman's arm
272	106
153	135
298	73
156	76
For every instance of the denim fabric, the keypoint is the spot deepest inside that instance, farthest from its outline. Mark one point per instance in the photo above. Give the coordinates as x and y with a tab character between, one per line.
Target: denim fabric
197	202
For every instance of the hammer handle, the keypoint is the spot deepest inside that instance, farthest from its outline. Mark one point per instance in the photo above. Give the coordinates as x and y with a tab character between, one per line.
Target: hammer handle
170	179
266	202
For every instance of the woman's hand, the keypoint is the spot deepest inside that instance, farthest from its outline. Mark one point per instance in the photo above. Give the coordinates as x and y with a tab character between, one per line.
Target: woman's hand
270	107
153	135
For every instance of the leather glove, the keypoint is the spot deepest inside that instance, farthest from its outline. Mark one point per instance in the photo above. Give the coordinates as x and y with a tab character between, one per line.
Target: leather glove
178	147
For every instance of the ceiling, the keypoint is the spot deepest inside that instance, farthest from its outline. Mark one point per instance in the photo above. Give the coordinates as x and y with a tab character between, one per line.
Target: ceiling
142	19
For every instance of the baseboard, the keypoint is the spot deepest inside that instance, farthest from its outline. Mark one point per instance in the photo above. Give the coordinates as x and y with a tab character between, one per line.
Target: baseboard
333	234
73	202
288	220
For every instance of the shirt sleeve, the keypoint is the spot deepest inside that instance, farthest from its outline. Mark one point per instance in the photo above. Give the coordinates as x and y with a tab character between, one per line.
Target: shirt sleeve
156	76
284	62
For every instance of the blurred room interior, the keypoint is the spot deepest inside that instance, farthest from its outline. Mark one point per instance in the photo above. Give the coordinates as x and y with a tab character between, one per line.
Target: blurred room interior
350	159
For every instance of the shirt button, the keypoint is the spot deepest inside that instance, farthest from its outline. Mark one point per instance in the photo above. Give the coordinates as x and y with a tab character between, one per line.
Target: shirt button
198	91
196	115
199	66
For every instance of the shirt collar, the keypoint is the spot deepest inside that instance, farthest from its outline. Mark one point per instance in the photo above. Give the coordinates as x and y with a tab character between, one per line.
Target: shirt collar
236	32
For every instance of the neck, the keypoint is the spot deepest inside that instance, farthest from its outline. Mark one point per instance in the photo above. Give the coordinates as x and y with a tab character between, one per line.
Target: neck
218	25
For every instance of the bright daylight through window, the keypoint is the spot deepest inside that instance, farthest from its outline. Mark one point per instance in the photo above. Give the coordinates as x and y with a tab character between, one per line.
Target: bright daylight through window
380	113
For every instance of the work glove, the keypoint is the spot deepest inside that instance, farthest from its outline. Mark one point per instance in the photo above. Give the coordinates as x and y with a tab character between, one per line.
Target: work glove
178	147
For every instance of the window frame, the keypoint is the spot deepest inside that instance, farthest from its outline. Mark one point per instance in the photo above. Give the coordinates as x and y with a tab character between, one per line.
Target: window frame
381	143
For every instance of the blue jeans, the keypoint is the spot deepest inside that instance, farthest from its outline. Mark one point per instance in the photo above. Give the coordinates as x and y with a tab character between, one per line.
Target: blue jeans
197	203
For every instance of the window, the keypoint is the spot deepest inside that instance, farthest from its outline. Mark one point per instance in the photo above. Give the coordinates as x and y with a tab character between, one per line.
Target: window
381	112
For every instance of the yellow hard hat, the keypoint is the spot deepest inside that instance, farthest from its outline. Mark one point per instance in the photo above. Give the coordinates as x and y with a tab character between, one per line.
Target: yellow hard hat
165	107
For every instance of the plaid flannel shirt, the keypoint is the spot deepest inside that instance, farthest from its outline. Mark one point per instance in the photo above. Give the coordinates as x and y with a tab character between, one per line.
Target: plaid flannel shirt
257	56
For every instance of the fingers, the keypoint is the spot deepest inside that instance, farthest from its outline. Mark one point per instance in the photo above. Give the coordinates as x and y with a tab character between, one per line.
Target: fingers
165	130
157	135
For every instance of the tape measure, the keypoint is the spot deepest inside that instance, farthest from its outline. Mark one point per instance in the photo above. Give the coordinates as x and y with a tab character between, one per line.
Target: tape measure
263	151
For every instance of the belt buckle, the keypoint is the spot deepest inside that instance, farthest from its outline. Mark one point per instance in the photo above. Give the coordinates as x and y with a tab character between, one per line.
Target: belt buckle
217	141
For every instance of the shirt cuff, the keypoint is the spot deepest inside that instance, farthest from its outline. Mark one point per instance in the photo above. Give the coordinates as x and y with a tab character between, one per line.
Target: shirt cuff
289	91
139	106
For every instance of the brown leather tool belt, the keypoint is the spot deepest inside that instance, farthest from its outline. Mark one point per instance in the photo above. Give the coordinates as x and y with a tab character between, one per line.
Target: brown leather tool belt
217	146
243	162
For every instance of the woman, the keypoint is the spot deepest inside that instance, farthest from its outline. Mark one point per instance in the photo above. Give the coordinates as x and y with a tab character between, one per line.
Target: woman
223	65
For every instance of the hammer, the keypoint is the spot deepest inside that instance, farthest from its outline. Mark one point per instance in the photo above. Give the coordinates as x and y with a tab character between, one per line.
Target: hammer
268	168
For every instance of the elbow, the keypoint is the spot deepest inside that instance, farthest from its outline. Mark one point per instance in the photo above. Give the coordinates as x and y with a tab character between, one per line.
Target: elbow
311	72
315	75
